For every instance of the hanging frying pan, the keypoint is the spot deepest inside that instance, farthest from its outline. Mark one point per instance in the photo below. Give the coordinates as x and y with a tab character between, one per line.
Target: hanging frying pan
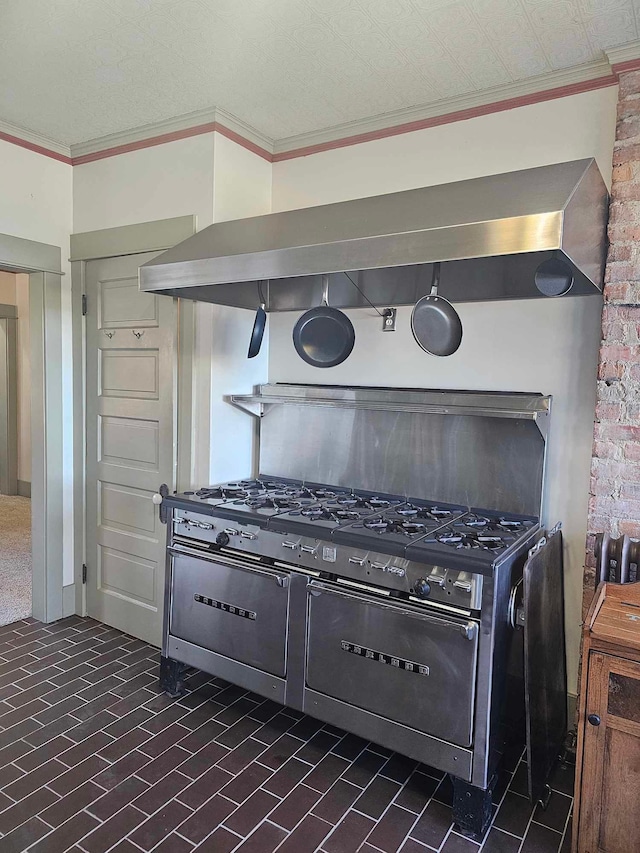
324	336
258	327
435	322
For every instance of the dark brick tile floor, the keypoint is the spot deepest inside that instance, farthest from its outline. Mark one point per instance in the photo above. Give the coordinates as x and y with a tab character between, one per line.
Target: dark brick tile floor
94	758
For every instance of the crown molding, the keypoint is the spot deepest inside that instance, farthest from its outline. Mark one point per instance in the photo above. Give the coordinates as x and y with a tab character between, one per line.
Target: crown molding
34	142
536	88
555	84
179	127
624	58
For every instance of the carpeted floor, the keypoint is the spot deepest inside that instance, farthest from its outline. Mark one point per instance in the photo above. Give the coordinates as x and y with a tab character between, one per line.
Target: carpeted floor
15	559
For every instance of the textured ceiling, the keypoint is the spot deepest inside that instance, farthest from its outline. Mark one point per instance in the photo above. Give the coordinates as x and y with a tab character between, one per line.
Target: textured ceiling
73	70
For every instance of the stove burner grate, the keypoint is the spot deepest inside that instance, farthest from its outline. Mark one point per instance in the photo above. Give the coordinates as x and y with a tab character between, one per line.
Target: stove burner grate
381	525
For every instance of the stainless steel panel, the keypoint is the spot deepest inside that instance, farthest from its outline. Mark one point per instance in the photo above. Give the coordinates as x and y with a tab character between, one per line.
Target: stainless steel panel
499	215
545	660
231	670
245	613
296	642
394	660
437	457
585	223
417	745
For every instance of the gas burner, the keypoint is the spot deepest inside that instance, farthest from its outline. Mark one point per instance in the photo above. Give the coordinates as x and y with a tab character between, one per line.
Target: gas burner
476	521
316	513
499	526
345	515
377	524
320	493
278	500
469	540
221	492
370	502
381	525
430	513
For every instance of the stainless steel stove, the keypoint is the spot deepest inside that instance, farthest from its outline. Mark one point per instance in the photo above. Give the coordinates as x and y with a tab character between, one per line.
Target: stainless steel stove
383	611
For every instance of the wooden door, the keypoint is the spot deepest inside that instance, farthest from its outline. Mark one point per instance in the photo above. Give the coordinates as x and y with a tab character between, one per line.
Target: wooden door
131	429
610	799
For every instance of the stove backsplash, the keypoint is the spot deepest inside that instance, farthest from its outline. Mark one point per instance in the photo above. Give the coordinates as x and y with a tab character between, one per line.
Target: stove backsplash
471	459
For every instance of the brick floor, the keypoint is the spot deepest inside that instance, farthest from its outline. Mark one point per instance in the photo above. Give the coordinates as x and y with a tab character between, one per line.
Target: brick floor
94	758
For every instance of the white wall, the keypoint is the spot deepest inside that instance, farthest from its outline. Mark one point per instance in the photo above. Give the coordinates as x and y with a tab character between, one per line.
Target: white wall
549	132
216	179
36	204
242	187
550	346
174	179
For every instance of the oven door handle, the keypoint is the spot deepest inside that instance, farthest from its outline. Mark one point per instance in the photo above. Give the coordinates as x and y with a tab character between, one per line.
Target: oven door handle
280	578
467	629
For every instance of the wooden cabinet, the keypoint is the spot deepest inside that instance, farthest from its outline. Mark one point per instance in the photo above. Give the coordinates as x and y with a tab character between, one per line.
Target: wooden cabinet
607	805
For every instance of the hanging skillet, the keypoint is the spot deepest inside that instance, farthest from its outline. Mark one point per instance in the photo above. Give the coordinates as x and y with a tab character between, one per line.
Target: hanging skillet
258	326
435	323
324	336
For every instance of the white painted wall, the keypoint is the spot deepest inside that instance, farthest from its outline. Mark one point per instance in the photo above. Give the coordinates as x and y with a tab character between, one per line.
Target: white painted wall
242	187
36	204
549	346
174	179
14	290
216	179
242	182
550	132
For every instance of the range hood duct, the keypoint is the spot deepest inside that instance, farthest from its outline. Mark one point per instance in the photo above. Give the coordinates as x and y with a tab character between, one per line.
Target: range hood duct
491	235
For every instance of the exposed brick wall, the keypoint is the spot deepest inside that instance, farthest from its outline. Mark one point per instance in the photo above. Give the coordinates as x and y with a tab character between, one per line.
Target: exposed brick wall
614	505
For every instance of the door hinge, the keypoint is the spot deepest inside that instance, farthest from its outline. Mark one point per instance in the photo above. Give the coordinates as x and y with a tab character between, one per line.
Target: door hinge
84	304
84	573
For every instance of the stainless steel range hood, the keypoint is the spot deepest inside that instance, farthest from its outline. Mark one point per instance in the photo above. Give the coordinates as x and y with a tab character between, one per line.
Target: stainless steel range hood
490	233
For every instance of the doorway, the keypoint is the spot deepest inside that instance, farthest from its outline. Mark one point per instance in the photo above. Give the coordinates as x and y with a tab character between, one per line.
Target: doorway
16	565
34	282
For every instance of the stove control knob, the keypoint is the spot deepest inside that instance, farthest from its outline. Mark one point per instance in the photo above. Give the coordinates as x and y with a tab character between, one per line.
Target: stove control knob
422	588
222	539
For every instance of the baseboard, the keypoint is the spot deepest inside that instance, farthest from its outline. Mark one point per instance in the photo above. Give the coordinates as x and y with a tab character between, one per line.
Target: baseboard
24	488
69	600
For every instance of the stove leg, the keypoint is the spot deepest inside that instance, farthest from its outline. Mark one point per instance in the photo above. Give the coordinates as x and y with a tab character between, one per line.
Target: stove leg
472	809
171	672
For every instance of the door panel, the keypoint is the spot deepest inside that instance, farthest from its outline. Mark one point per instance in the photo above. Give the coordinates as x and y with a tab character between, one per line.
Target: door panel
131	338
610	798
131	442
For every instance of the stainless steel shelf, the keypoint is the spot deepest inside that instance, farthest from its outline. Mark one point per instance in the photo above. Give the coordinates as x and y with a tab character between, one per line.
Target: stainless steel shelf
531	407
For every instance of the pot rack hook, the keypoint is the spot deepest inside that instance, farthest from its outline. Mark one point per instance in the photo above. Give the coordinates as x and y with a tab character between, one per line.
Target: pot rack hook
435	279
325	289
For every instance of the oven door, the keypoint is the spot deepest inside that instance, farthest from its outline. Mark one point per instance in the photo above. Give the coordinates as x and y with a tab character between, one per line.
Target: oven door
393	659
232	608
